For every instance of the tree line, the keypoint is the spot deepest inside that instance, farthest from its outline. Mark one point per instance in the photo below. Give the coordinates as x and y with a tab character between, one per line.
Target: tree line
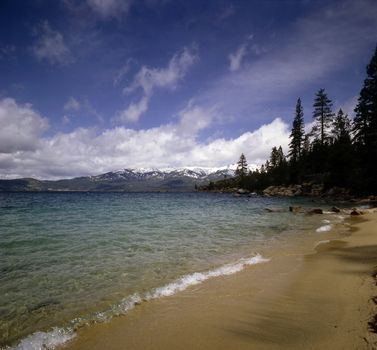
337	151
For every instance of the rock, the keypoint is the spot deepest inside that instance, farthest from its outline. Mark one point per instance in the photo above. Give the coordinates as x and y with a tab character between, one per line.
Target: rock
295	209
317	190
335	209
315	211
236	195
269	191
242	191
274	210
355	212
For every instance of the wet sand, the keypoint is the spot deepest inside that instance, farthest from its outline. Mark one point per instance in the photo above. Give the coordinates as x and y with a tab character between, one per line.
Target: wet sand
304	298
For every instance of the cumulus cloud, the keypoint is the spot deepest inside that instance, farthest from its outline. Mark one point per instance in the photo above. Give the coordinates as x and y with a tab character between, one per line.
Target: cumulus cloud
72	104
50	46
85	151
148	79
109	8
20	127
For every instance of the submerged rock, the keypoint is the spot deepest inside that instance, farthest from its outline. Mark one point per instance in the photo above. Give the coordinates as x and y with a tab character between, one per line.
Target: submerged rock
295	209
315	211
335	210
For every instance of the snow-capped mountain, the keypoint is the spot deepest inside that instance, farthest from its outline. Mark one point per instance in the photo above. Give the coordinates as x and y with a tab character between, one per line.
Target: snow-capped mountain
128	180
167	173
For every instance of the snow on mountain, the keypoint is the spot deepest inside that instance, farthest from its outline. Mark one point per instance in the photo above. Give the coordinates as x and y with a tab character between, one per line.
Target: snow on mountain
199	173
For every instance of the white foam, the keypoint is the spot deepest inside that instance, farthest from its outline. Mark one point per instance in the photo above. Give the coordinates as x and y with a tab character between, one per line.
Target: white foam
45	340
127	304
325	241
56	337
198	277
324	228
326	221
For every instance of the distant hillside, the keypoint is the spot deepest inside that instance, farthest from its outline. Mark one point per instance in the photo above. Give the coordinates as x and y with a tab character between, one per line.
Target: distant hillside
126	180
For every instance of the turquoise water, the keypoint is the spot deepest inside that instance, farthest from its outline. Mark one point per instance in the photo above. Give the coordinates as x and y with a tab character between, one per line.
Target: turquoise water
69	259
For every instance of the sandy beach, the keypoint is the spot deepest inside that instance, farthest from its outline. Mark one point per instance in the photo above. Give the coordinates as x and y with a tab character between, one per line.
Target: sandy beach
308	296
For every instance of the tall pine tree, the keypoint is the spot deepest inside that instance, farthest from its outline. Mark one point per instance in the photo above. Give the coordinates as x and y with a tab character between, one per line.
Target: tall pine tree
365	123
242	168
322	115
341	130
365	129
297	134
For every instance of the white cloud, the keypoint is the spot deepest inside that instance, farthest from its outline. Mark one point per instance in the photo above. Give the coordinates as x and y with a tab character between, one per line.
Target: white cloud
85	151
20	127
109	8
148	79
50	46
72	104
235	59
133	112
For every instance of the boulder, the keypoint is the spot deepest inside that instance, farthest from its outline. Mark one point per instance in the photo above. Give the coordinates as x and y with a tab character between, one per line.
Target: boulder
315	211
295	209
242	191
335	210
355	212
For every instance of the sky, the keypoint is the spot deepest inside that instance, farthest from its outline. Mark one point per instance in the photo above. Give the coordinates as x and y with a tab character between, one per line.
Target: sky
90	86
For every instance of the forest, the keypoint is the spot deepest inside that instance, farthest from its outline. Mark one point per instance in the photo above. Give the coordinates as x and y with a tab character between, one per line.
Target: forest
337	152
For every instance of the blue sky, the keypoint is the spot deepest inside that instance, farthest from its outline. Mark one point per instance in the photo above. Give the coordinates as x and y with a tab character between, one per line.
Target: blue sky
88	86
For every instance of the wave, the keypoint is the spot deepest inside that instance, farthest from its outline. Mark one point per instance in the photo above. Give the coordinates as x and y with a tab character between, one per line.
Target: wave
58	336
324	228
45	340
198	277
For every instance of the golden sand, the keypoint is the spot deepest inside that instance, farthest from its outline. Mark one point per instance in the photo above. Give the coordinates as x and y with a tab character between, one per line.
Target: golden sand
308	296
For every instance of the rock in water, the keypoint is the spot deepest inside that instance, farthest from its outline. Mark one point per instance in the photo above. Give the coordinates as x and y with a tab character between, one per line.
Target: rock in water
335	209
315	211
295	209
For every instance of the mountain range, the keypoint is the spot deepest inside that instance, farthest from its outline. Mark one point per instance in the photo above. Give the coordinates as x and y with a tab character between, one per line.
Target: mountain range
126	180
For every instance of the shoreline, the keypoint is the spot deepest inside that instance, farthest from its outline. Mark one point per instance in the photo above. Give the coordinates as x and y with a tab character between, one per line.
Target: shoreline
312	296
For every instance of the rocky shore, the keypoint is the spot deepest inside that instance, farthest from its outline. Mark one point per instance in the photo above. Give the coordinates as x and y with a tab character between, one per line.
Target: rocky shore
309	189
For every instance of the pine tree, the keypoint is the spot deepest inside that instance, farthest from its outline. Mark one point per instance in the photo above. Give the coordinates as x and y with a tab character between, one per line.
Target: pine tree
274	158
281	156
341	127
297	133
365	130
323	115
306	145
365	123
242	168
